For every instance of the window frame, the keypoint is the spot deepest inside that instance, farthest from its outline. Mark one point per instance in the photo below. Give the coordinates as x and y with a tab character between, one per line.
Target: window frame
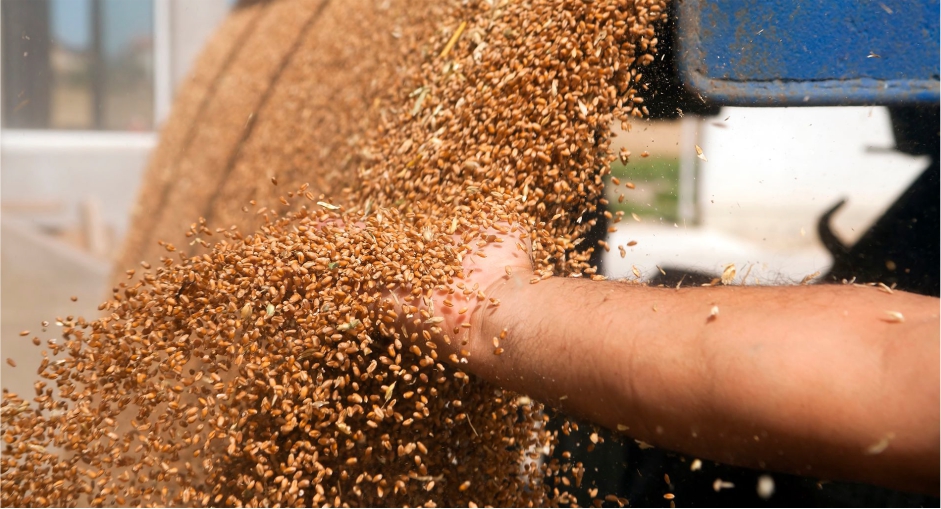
106	165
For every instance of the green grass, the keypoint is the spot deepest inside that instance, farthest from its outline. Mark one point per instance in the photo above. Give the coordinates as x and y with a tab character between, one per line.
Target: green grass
647	168
658	174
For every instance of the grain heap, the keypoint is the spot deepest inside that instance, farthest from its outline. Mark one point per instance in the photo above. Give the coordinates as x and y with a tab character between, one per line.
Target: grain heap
266	370
249	375
518	104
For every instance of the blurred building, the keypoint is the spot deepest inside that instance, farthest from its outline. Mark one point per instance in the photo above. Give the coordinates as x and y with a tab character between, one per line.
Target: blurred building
85	87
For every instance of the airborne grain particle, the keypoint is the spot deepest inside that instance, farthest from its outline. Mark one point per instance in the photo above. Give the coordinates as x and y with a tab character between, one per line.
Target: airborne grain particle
765	487
728	274
894	317
624	155
809	277
880	446
643	445
11	362
719	485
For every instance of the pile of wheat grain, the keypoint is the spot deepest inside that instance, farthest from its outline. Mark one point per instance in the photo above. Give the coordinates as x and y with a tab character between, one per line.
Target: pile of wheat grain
261	368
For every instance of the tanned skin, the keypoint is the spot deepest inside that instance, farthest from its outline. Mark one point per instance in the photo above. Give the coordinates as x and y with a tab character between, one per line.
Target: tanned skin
812	380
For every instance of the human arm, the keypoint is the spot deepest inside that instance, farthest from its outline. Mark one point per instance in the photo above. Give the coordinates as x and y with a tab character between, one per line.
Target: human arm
816	380
811	380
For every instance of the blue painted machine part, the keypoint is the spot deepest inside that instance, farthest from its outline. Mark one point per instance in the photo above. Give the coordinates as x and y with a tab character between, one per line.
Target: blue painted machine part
818	52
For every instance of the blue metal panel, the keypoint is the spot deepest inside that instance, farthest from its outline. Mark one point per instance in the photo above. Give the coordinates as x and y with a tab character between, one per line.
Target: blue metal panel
778	52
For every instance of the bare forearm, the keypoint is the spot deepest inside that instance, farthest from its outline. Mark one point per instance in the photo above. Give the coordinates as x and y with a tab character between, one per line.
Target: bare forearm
807	380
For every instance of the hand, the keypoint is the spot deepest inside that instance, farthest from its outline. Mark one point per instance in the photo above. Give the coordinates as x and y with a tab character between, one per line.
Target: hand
498	255
451	316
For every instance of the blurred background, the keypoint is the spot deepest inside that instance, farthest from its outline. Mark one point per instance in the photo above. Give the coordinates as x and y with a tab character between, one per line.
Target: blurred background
85	87
755	195
87	83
